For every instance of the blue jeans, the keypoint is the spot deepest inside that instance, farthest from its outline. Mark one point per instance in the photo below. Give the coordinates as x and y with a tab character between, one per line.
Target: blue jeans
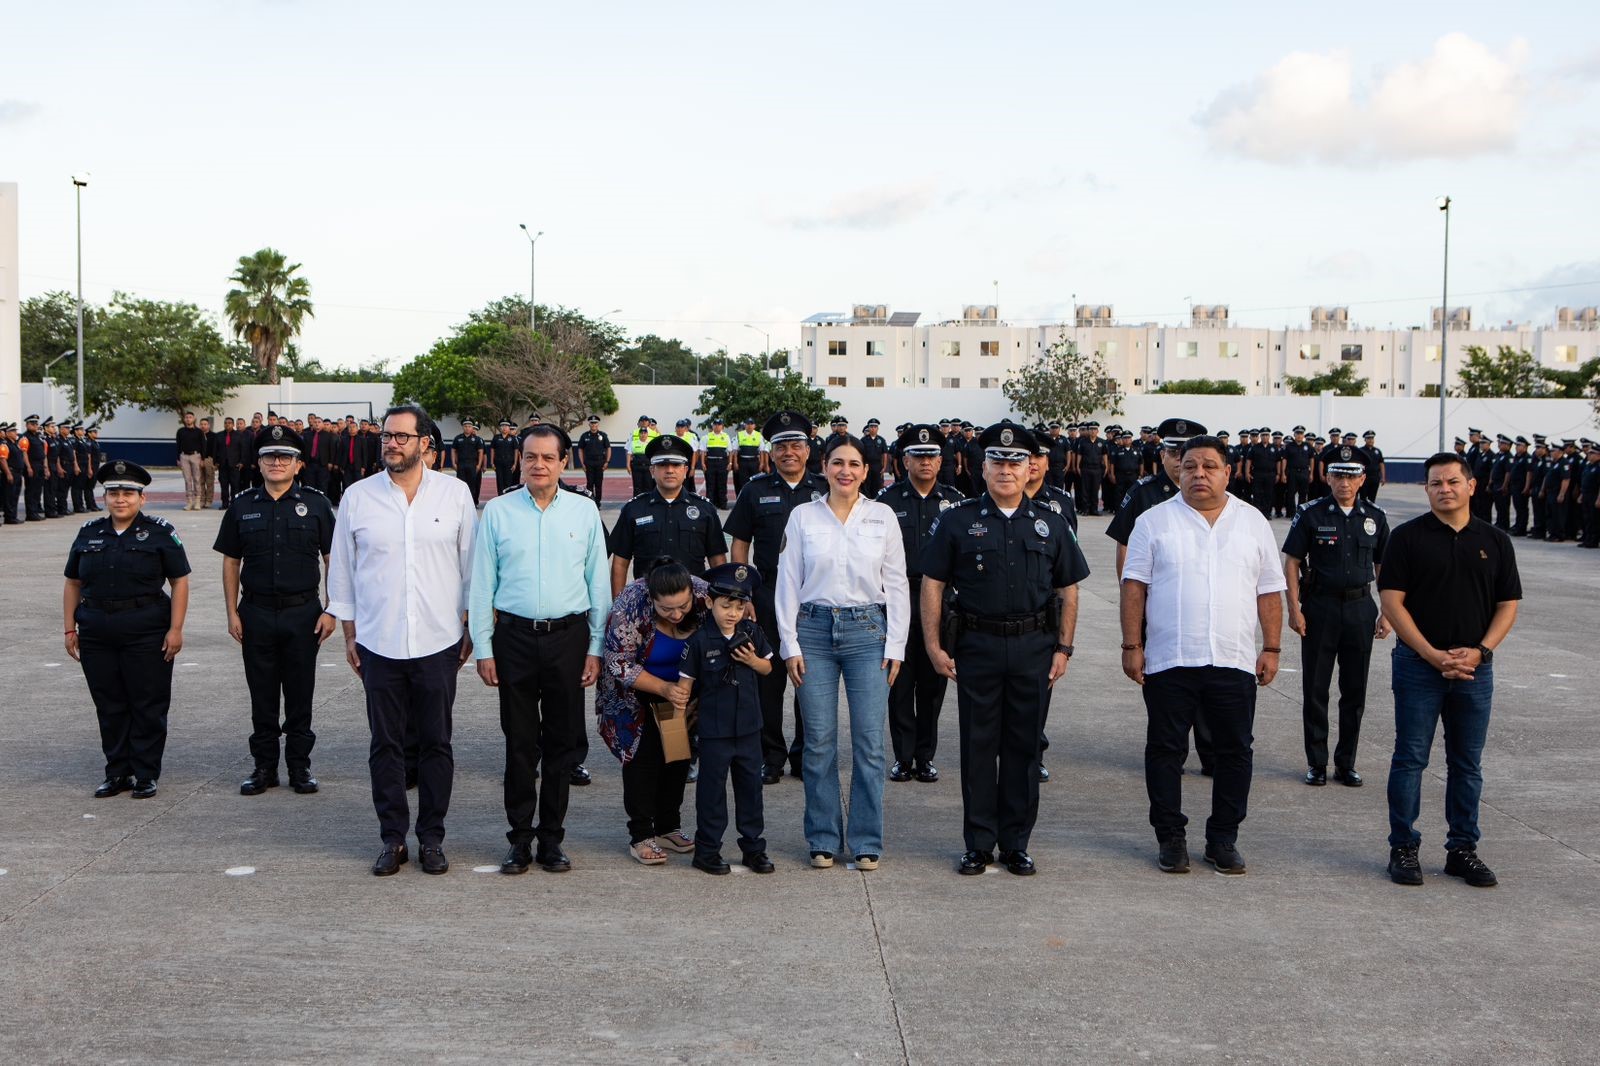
1422	698
847	642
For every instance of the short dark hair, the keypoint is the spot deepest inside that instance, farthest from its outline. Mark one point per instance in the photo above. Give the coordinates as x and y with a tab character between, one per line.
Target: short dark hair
1440	459
425	424
667	577
548	429
843	440
1207	441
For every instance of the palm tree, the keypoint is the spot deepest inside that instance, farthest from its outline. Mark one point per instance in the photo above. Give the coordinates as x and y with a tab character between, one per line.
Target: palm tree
268	307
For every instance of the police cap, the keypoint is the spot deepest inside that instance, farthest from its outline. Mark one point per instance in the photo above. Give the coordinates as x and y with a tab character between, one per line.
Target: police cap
787	425
736	581
668	448
279	440
923	439
121	474
1007	442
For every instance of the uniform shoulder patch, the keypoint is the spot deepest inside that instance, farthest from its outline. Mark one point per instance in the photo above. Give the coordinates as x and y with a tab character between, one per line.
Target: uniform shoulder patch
968	502
156	519
312	489
90	522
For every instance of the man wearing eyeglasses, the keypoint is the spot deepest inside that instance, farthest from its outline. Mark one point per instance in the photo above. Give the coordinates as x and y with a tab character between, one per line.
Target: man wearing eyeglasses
274	543
398	580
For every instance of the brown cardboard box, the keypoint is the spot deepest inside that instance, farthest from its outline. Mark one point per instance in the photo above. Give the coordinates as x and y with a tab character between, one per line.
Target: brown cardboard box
674	729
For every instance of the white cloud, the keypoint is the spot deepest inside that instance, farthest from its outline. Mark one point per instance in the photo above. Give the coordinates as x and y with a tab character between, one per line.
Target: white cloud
1462	100
16	111
867	209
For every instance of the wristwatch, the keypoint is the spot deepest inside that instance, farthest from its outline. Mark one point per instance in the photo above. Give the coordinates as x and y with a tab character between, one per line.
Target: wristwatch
1486	655
1066	649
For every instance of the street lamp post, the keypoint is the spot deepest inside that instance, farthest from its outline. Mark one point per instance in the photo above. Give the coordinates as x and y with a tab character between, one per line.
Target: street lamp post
766	345
1443	204
79	183
724	348
647	366
533	274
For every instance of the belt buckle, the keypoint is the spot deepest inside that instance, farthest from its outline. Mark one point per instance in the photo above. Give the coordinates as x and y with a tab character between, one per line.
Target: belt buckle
541	625
1011	628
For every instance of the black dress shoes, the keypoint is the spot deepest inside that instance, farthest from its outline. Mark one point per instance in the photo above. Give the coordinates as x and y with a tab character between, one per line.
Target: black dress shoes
974	862
143	789
517	860
1174	857
258	782
1225	857
898	772
1044	774
1018	862
1348	778
771	775
112	786
302	782
927	773
580	776
553	861
711	864
433	860
1317	775
758	863
390	859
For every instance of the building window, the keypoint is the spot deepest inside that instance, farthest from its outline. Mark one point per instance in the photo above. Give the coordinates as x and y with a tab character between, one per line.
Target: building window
810	343
949	383
1136	381
1566	353
1431	353
836	382
1311	351
1277	347
837	347
1430	391
874	383
1106	349
949	349
1188	350
1227	350
988	383
989	349
1350	353
876	348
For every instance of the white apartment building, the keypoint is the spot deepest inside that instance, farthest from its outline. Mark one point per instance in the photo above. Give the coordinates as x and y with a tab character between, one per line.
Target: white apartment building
874	348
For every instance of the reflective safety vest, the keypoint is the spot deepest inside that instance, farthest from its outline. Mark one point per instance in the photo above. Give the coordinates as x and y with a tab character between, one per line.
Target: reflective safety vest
749	445
637	442
717	445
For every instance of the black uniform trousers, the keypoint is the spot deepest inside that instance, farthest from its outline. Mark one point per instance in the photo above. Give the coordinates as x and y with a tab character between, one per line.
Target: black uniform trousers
280	658
652	788
13	493
1222	700
33	494
747	469
1000	702
315	476
130	682
1502	510
1299	489
409	701
1337	631
505	479
541	714
915	698
1591	521
60	488
1519	509
1089	498
473	477
1540	511
227	482
594	479
717	483
82	494
721	758
771	686
1261	494
1557	516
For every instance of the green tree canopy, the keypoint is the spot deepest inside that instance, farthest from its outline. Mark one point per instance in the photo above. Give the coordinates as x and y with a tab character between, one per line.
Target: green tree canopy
1573	384
673	362
1062	385
1509	373
1199	387
158	356
443	381
269	306
49	328
1341	380
748	392
606	340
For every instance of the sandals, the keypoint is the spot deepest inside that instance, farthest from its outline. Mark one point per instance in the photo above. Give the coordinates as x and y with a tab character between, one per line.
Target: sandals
647	853
676	841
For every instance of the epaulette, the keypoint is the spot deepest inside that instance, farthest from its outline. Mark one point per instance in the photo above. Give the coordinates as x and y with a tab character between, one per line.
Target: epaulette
91	522
312	488
966	502
155	519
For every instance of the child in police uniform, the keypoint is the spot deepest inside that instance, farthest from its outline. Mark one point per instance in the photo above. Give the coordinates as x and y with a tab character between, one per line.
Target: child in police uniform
720	665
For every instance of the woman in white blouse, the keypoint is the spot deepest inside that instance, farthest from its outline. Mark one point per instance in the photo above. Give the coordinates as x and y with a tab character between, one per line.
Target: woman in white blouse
843	607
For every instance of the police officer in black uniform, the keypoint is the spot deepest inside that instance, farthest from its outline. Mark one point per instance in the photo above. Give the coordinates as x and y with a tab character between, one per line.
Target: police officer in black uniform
667	520
124	629
1332	555
1060	447
873	450
756	526
1006	570
949	461
1040	491
1500	483
1262	464
717	444
1558	486
594	451
1589	496
1377	473
1540	467
1521	484
918	690
749	457
505	452
1091	468
814	459
275	543
34	488
467	452
16	473
1298	459
1126	460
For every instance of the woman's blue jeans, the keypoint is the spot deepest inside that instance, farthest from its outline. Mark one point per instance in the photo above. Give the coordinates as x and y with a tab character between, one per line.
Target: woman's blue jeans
1423	697
843	642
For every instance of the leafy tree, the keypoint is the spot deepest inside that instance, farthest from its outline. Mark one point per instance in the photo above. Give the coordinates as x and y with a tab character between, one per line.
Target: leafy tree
1341	380
606	340
673	362
1510	373
1062	385
1573	384
443	381
50	327
308	368
157	356
269	306
750	393
549	372
1199	387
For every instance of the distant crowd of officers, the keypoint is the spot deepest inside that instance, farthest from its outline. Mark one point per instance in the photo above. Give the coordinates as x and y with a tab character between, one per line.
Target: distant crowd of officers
48	468
1544	489
217	464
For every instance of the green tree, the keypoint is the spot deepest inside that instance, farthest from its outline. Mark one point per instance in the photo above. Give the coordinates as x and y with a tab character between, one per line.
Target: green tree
673	362
308	368
49	328
1199	387
443	381
1062	385
1341	380
748	392
269	306
157	356
1510	373
606	340
549	372
1573	384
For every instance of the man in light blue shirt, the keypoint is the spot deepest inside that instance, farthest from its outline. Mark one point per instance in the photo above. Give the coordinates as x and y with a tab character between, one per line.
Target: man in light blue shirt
537	611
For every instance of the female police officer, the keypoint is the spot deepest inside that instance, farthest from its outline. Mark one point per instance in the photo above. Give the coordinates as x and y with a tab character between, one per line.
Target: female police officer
123	629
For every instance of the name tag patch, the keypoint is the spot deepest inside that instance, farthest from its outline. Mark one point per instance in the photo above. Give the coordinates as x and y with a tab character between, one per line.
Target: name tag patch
769	499
644	520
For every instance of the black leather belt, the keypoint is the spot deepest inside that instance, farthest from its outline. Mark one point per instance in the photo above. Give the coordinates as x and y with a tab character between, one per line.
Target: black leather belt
542	625
1345	594
114	606
1003	627
279	602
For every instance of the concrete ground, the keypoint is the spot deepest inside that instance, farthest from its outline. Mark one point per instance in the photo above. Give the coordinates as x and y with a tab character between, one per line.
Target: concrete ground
202	926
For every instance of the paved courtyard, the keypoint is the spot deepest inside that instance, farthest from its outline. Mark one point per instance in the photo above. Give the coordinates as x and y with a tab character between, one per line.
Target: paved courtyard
202	926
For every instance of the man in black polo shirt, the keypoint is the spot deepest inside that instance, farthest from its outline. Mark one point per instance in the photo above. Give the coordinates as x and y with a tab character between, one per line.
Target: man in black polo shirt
1450	589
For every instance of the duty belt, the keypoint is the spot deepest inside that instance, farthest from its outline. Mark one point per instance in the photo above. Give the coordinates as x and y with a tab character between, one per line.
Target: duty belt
1360	593
541	625
1014	626
279	602
114	606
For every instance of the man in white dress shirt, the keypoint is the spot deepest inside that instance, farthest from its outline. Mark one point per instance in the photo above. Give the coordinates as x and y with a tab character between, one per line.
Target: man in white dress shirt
1202	572
398	581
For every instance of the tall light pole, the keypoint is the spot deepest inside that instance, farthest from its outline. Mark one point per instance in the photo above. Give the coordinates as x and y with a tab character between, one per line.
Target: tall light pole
79	183
1443	204
647	366
724	348
533	274
766	345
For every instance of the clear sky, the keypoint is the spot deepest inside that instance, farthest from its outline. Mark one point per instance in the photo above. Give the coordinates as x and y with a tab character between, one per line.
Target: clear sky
704	166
